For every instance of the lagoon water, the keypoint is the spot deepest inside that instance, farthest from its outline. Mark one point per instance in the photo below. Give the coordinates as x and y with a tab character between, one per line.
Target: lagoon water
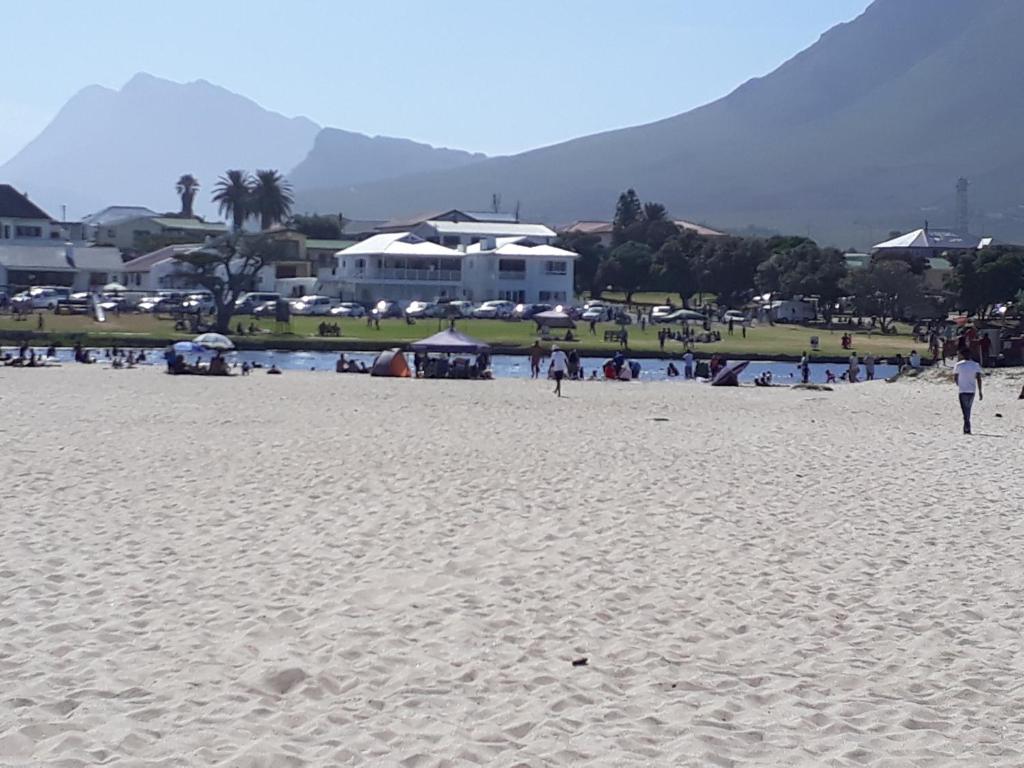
504	366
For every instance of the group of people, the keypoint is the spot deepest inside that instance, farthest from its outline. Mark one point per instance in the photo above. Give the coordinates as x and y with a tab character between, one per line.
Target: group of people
177	365
27	357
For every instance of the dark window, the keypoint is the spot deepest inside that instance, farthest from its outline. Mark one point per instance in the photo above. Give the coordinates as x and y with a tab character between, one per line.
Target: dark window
23	231
511	265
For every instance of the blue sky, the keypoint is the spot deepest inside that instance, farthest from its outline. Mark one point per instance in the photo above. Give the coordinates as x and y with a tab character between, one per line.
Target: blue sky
495	76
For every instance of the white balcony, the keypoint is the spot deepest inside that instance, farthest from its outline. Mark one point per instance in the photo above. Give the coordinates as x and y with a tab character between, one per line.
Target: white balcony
411	275
512	275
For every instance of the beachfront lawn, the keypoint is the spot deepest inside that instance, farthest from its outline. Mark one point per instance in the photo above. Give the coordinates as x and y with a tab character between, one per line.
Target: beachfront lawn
787	340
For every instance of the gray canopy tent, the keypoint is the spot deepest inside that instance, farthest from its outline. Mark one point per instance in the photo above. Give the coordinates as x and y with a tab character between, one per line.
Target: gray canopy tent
553	319
450	341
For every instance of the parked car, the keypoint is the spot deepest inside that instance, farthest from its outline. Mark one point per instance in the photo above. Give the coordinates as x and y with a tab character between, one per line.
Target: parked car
597	314
659	313
348	309
385	308
527	311
266	309
161	302
494	310
312	305
423	309
247	302
201	301
460	308
735	315
41	297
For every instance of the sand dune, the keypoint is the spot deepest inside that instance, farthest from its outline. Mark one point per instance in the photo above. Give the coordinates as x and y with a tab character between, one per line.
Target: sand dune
311	570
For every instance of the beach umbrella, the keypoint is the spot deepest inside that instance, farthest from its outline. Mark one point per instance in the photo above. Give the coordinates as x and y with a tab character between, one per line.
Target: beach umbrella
214	341
188	347
114	288
729	376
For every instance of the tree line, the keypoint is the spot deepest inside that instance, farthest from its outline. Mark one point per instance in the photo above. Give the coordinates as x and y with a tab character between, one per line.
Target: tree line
650	252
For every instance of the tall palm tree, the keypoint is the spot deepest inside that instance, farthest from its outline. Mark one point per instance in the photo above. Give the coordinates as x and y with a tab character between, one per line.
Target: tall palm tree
233	195
187	187
272	198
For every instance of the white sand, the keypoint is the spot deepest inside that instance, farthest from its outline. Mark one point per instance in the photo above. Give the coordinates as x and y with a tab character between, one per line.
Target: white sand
323	570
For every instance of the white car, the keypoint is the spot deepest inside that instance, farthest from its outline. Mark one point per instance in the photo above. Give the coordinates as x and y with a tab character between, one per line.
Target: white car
348	309
599	313
41	297
658	314
735	315
201	301
312	305
461	308
422	309
496	310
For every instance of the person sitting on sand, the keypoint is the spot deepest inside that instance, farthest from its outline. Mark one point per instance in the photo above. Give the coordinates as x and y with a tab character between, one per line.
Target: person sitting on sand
218	366
246	367
342	365
672	372
273	369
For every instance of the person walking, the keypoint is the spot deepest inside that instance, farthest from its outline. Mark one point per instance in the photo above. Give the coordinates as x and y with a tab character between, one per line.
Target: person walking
536	353
559	365
869	367
967	374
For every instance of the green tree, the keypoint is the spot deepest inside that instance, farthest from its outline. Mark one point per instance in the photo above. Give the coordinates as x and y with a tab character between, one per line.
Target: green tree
727	266
655	212
674	265
628	211
233	195
272	198
591	251
187	187
802	270
228	266
627	268
317	226
986	278
888	290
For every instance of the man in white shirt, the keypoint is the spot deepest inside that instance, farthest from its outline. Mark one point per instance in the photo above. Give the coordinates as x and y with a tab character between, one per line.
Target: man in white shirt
967	374
559	365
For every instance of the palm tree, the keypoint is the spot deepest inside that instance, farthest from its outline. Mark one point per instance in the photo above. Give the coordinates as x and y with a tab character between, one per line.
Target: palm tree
272	198
233	195
654	212
187	187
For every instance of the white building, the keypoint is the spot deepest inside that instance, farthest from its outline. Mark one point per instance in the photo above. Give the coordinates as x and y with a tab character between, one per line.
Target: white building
403	266
23	222
399	265
49	263
518	269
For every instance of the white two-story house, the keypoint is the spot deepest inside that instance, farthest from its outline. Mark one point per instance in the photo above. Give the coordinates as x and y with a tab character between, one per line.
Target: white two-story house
518	269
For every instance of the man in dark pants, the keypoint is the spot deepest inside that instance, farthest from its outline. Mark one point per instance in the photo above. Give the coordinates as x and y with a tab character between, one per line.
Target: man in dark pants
967	374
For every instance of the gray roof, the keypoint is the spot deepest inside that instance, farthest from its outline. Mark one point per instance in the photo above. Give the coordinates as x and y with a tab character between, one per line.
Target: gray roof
54	258
115	214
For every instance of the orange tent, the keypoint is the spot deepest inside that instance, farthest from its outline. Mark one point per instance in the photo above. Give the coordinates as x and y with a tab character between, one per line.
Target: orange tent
391	363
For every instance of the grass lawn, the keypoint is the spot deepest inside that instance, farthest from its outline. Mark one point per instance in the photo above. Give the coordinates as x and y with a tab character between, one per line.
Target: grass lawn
768	341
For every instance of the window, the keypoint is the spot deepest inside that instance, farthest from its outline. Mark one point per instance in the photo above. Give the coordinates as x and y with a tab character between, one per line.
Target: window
552	296
23	231
554	268
7	231
54	235
113	232
451	241
511	265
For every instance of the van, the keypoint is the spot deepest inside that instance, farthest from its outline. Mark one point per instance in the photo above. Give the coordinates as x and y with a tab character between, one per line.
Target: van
247	302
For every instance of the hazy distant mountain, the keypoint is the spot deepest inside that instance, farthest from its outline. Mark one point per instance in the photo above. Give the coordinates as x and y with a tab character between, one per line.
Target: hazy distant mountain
341	158
125	147
867	130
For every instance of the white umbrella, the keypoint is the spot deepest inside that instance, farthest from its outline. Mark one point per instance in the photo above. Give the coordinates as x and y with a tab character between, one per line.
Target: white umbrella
214	341
114	288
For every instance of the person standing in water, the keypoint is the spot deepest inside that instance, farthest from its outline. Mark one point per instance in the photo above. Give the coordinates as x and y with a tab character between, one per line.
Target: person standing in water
536	353
967	375
559	365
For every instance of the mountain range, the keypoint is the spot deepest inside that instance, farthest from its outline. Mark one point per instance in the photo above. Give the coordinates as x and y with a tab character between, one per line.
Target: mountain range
866	131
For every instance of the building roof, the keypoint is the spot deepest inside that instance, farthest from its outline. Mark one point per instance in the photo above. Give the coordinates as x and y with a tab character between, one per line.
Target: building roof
329	245
54	258
15	205
941	239
170	222
591	227
489	229
606	228
114	214
521	246
399	244
148	260
700	229
451	215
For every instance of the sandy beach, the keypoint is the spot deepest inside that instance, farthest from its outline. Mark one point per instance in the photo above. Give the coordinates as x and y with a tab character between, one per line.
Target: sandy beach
319	570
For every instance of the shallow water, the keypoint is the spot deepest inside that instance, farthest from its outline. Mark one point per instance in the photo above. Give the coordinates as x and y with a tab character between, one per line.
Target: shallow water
504	366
